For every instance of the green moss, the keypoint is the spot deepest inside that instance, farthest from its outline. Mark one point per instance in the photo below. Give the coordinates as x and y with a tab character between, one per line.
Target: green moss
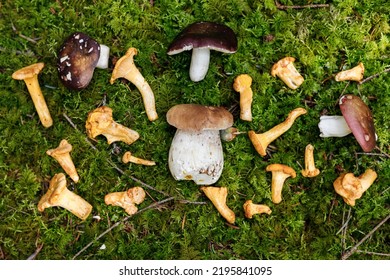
305	225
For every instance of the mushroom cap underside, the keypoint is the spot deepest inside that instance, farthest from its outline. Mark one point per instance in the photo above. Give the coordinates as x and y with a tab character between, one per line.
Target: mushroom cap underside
205	34
77	59
194	117
359	119
28	71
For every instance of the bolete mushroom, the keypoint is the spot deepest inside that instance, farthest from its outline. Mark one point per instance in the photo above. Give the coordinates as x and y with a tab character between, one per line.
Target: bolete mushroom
280	173
251	209
125	68
354	74
218	196
287	72
196	150
78	57
242	84
59	195
100	122
310	168
127	200
62	155
356	118
201	37
351	188
128	157
29	75
262	140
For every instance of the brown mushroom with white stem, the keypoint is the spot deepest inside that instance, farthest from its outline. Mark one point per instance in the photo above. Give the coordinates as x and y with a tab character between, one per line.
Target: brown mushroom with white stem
78	57
287	72
125	68
196	150
261	141
29	75
62	155
101	122
251	209
310	168
356	119
127	200
218	196
354	74
351	188
242	84
128	157
280	173
59	195
201	37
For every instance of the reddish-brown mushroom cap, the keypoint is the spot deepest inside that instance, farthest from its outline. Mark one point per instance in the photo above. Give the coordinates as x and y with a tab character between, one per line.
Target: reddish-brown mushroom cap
359	119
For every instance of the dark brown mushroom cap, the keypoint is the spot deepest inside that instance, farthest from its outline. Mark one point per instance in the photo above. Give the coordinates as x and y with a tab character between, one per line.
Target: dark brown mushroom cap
205	34
194	117
359	119
77	60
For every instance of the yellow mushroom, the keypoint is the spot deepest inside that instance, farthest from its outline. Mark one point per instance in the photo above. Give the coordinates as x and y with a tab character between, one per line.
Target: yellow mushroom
251	209
125	68
62	155
29	75
261	141
128	157
127	200
287	72
351	188
280	173
242	84
59	195
354	74
100	122
310	168
217	196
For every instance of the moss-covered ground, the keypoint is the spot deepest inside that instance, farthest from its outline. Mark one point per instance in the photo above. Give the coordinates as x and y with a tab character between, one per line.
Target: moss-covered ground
312	221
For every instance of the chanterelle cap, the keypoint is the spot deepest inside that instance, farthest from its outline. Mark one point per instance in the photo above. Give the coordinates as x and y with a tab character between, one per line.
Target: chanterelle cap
359	119
205	34
77	59
194	117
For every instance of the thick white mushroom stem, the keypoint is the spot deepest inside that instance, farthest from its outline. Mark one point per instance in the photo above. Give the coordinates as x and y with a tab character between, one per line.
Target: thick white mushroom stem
127	200
30	76
242	84
261	141
125	68
104	57
333	126
280	173
62	155
251	209
217	196
310	168
354	74
59	195
287	72
100	122
196	156
128	157
199	66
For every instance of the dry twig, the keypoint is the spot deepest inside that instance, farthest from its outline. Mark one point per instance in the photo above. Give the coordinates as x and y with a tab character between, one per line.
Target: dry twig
374	76
354	248
153	205
35	254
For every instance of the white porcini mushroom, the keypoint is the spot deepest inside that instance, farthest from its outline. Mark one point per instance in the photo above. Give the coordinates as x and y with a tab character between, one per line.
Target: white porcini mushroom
196	149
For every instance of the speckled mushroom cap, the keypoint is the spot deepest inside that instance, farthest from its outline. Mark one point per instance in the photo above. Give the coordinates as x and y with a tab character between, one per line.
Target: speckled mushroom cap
359	119
77	59
205	34
194	117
